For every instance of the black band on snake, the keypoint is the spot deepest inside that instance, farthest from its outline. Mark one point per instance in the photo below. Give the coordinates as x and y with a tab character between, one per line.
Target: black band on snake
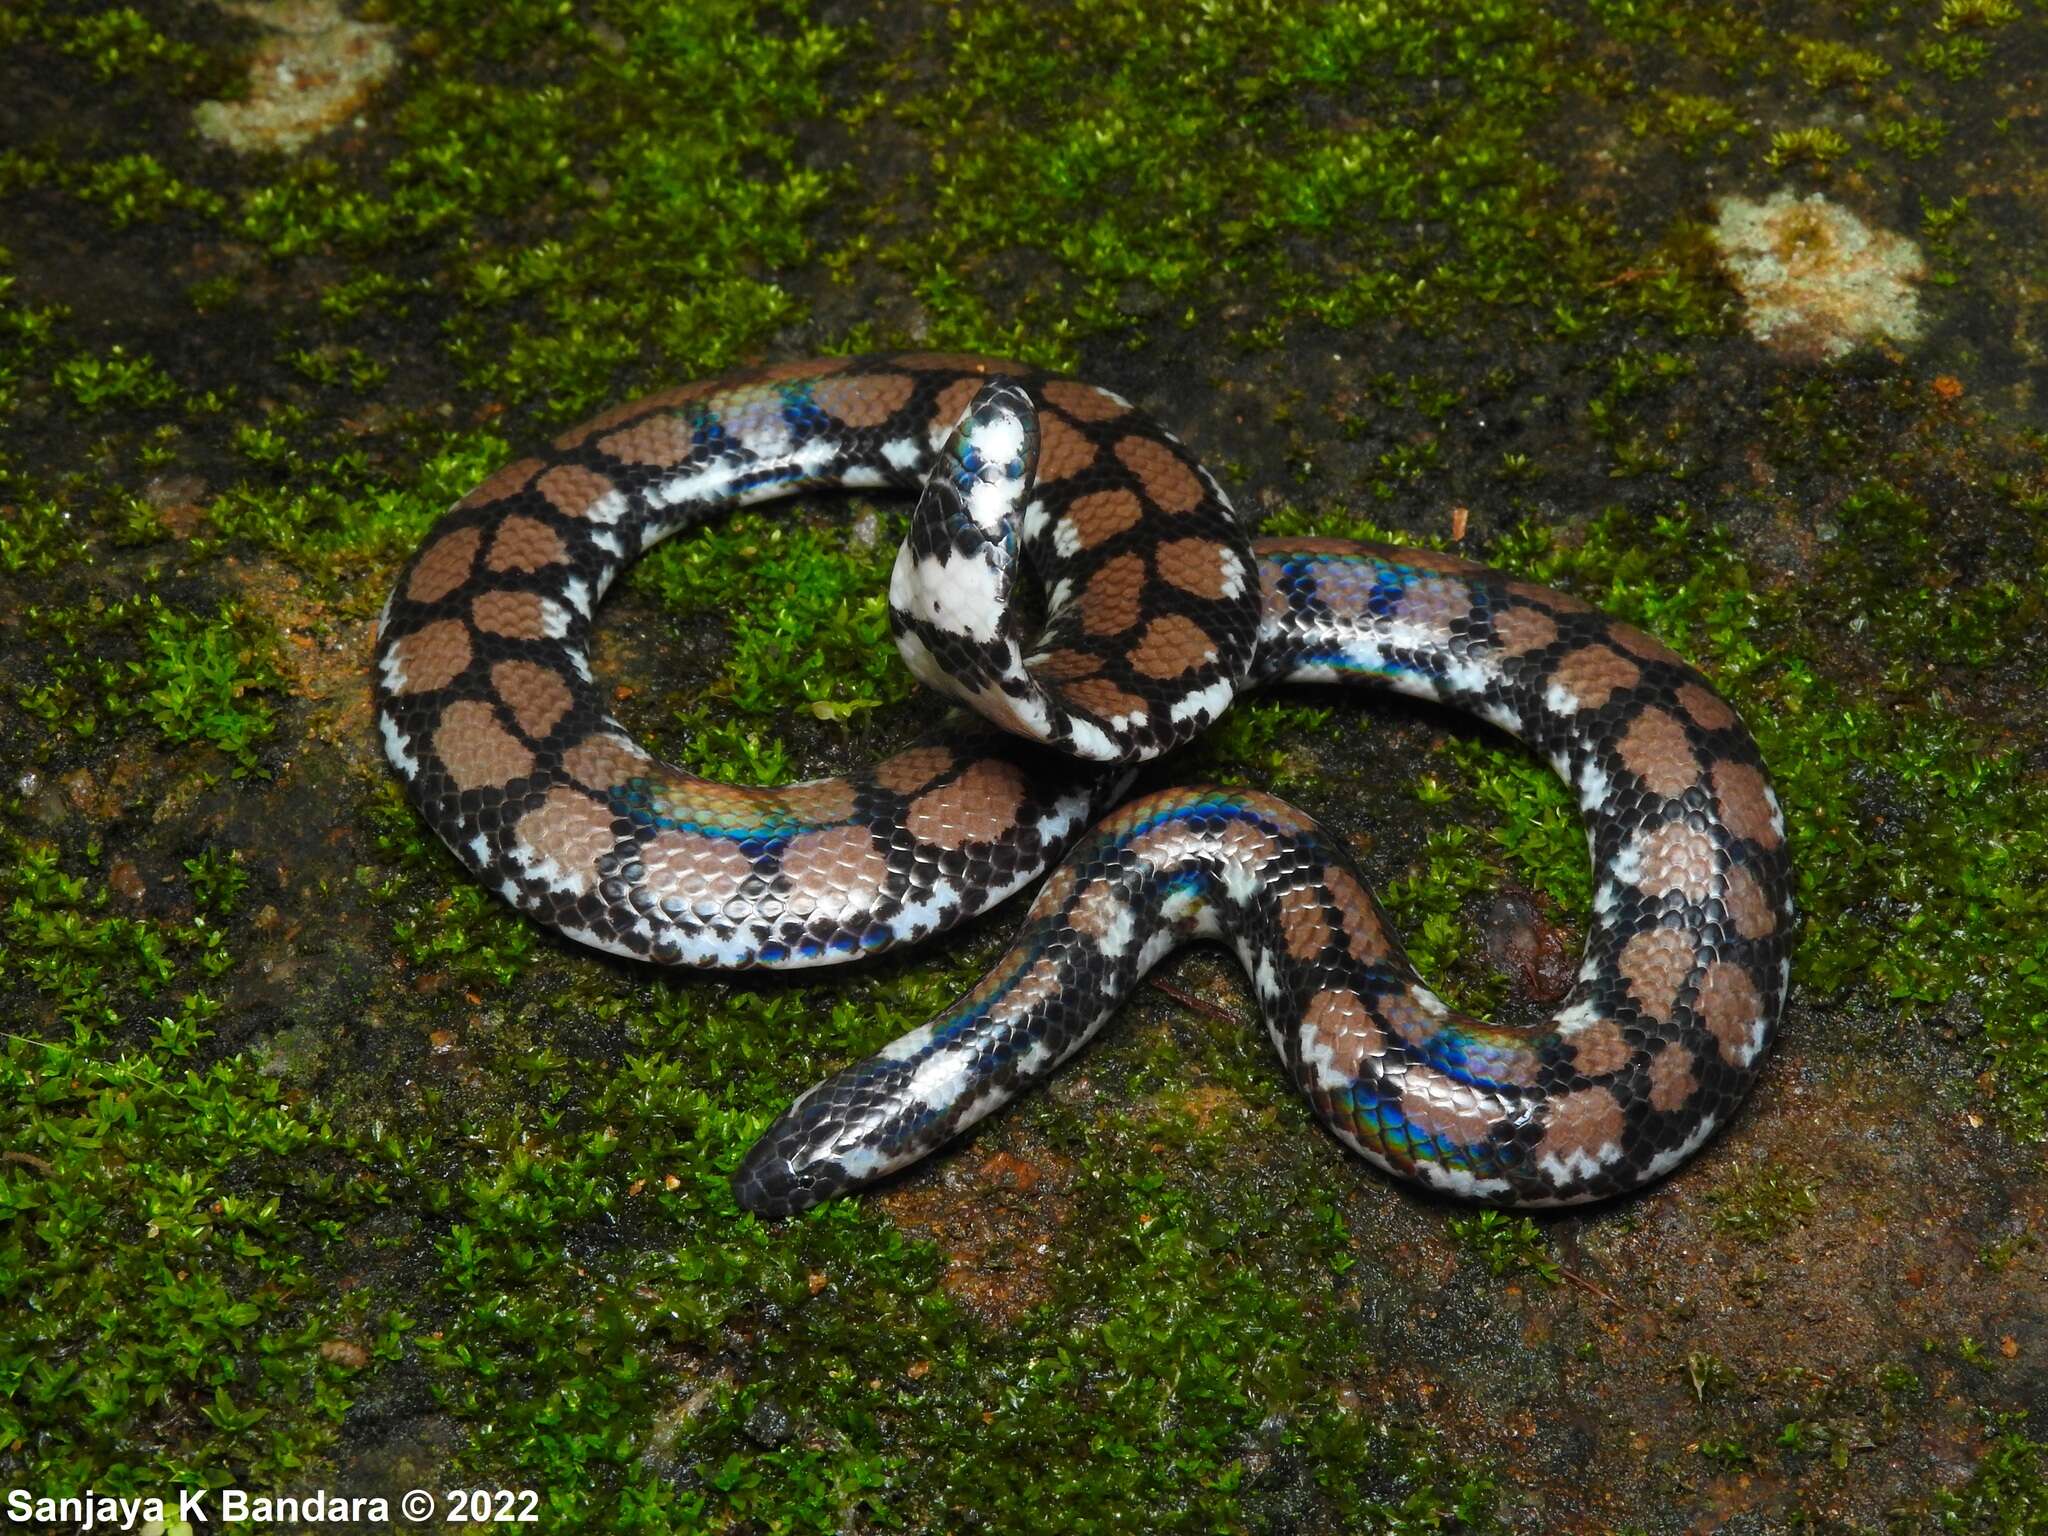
1156	612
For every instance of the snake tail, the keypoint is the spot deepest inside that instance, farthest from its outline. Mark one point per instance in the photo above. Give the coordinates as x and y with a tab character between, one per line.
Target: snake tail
1656	1044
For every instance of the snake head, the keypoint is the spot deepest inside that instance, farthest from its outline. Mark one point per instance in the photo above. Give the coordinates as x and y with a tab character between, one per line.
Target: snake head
988	462
953	595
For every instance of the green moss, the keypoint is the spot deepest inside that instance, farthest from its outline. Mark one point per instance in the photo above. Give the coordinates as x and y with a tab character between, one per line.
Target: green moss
1822	62
504	1194
1817	147
174	1203
1761	1201
807	629
137	189
115	380
195	678
2007	1494
39	538
1505	1245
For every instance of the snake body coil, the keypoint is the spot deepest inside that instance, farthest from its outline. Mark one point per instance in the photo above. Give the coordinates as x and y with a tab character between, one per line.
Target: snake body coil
1157	610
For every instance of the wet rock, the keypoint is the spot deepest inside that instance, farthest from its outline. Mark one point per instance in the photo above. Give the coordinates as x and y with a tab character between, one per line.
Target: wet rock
1529	947
769	1424
341	1352
126	881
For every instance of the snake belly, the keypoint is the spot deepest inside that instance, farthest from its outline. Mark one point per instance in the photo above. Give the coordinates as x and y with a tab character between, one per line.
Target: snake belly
1159	613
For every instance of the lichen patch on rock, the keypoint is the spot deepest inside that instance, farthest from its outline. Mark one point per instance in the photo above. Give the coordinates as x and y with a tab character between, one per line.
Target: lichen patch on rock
1817	281
314	72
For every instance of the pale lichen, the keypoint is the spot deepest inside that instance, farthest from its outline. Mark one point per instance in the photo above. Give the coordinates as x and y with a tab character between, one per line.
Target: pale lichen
1817	281
313	72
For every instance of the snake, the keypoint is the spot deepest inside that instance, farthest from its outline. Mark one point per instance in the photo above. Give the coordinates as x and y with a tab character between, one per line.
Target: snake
1080	582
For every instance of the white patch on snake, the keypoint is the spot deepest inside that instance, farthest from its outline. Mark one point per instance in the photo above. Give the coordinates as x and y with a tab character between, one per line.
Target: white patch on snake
906	1046
913	920
595	940
1777	812
1241	882
1117	935
394	748
1215	489
811	463
1155	949
580	662
1061	594
1061	817
1031	712
707	484
861	1163
1317	1052
1113	398
918	657
1229	568
608	542
1578	1166
944	1078
1593	785
1784	974
1000	438
384	613
554	619
1667	1160
1501	715
1034	521
1088	740
1759	1027
1589	969
1466	675
1607	899
1265	978
608	508
1362	654
1581	1015
1560	700
765	433
960	596
480	848
708	949
1203	704
547	872
903	453
394	674
1066	538
1461	1181
1417	685
1429	1002
576	593
862	476
1561	763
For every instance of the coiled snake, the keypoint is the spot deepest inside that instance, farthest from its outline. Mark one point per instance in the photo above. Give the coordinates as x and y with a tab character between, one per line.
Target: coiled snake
1156	611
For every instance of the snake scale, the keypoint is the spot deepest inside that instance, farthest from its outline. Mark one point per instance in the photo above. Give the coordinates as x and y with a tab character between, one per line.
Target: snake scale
1154	611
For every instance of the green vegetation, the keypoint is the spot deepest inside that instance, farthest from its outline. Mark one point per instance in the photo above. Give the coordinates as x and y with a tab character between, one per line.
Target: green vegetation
807	629
1505	1245
195	679
2007	1494
1762	1201
306	1134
